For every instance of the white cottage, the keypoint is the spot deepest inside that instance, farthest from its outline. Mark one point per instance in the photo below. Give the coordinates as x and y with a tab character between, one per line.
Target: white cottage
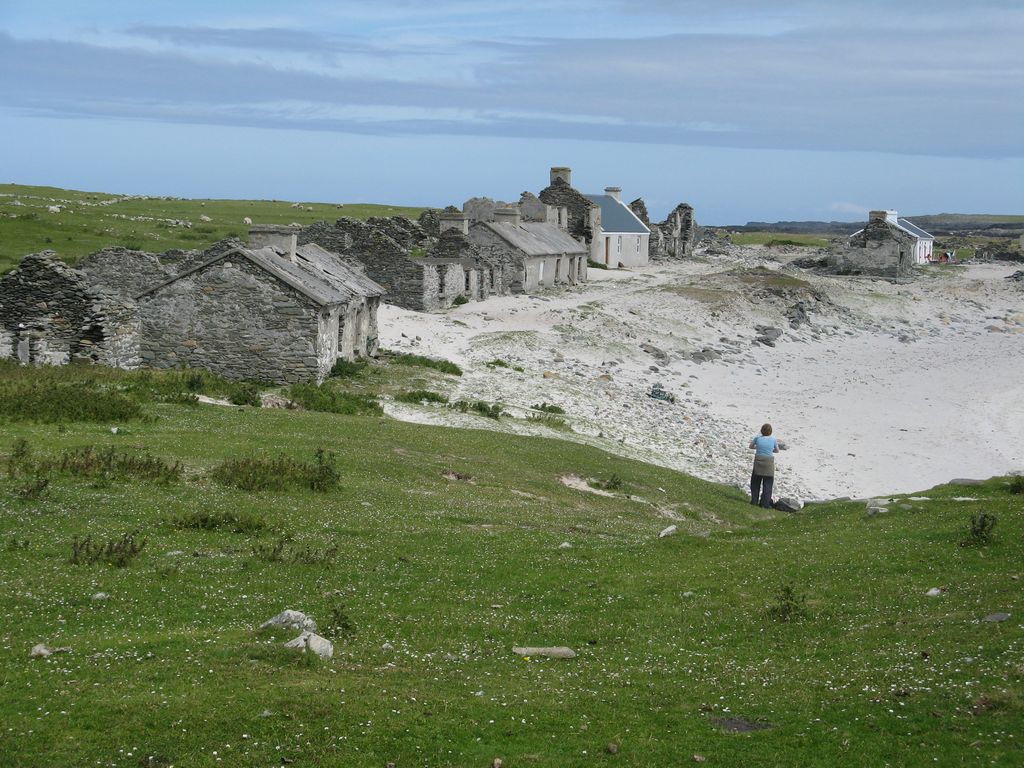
924	244
622	239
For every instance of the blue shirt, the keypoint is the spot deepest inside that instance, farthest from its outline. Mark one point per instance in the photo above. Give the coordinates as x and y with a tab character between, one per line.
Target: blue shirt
765	446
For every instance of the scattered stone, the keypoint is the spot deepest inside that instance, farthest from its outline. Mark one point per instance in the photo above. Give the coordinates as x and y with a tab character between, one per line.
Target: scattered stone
453	475
551	652
612	748
688	593
387	647
658	392
672	530
789	504
550	375
565	545
271	400
289	619
100	596
933	592
872	511
699	759
767	335
996	617
42	650
497	763
310	641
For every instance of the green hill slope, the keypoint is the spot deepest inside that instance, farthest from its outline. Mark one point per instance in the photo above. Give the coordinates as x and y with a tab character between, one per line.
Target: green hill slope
436	553
90	221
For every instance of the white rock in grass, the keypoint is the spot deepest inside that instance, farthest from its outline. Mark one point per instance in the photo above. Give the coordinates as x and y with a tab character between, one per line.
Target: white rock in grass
551	652
565	545
672	530
309	641
933	592
290	619
99	596
42	650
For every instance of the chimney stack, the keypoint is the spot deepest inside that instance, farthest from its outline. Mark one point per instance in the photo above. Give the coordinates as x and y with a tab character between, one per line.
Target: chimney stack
507	216
565	174
457	221
888	216
614	192
283	238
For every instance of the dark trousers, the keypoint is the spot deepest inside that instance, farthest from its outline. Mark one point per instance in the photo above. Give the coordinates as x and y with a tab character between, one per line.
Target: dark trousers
761	489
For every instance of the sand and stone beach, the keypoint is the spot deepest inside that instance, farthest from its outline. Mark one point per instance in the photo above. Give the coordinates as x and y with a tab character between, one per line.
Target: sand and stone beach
874	387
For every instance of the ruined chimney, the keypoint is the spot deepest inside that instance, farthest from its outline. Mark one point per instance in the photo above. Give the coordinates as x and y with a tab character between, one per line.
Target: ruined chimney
565	174
563	217
283	238
614	192
889	216
457	221
507	216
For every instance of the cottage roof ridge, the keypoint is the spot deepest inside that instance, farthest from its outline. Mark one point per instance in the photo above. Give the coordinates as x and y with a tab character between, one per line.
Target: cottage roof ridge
535	238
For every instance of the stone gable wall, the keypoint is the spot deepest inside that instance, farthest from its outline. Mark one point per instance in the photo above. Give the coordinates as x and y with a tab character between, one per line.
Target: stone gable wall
234	319
676	236
581	220
879	249
125	272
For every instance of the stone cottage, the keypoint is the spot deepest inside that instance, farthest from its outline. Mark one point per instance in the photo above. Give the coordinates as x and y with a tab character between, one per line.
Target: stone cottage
51	315
533	254
887	246
675	237
273	311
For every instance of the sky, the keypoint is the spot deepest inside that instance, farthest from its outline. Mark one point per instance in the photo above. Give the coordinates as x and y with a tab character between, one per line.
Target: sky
748	110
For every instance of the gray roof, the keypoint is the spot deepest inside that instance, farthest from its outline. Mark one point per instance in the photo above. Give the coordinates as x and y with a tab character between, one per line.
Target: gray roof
312	274
616	216
914	229
537	238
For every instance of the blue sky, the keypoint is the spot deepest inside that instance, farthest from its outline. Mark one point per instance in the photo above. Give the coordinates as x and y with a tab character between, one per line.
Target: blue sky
798	109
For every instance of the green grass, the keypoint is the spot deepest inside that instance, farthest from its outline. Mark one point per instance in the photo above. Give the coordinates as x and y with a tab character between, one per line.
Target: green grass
774	239
425	583
444	366
86	226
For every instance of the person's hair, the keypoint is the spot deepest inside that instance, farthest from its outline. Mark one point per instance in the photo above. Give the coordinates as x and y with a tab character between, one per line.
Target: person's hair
766	430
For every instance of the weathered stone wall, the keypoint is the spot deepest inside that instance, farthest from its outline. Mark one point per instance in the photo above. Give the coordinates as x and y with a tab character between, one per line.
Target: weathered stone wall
234	319
50	315
406	232
676	236
492	249
406	280
124	271
581	217
639	209
879	249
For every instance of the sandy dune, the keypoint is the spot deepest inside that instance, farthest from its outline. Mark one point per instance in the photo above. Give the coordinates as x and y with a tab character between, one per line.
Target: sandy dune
886	388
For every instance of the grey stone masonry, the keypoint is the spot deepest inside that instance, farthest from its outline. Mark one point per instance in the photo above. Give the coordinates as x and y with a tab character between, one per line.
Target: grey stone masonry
128	272
49	314
880	248
582	213
676	236
234	319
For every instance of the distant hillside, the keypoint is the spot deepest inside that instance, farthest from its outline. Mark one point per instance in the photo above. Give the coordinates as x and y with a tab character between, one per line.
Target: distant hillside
85	222
937	224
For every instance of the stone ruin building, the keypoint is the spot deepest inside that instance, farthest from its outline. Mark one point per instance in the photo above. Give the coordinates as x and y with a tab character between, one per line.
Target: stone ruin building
676	236
888	246
272	311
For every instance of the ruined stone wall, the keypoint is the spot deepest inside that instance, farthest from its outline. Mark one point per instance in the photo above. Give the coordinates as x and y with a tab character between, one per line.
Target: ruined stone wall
509	266
384	260
234	319
406	232
639	209
676	236
126	272
879	249
581	220
50	315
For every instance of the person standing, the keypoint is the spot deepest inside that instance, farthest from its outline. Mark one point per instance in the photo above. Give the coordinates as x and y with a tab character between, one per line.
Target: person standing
762	479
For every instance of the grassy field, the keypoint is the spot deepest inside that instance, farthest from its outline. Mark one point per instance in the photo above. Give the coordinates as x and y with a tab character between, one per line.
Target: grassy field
777	239
437	552
91	221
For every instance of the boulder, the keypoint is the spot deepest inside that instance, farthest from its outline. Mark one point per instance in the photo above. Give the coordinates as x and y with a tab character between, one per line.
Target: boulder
789	504
310	641
996	617
672	530
289	619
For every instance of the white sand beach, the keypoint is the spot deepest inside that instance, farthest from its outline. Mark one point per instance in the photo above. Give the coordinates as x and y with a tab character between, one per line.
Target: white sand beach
880	388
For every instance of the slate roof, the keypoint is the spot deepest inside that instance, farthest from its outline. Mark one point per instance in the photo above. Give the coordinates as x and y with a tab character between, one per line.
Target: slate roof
914	229
616	216
317	274
537	238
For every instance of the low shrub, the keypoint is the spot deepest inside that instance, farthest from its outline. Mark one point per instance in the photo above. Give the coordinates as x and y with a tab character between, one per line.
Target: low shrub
234	522
50	402
110	462
117	552
314	397
788	605
1017	484
613	483
498	363
279	473
245	394
283	551
417	396
596	264
458	301
548	408
444	366
480	407
980	530
345	369
550	421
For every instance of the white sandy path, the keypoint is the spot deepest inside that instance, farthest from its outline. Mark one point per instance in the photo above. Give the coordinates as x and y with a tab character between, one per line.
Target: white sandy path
912	414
